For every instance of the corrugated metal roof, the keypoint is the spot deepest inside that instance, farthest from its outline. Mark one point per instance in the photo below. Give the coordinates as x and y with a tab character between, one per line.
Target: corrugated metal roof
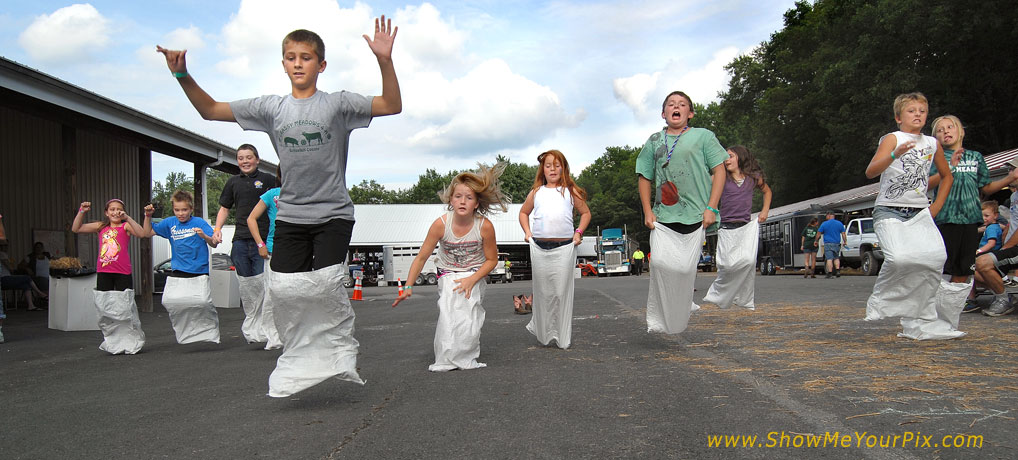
999	160
395	224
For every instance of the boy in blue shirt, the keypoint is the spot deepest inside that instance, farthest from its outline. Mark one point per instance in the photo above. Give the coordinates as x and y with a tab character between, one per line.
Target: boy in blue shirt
190	238
992	234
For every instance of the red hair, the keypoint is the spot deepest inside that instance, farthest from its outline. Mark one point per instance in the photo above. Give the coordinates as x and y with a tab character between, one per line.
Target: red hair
567	179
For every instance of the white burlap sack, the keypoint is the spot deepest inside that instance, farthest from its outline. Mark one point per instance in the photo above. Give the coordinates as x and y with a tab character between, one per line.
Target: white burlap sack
458	332
315	323
188	301
951	300
736	258
119	322
914	258
258	323
553	294
672	273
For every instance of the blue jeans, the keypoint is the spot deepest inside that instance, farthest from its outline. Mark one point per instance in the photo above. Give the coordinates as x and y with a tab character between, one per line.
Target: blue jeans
245	257
832	251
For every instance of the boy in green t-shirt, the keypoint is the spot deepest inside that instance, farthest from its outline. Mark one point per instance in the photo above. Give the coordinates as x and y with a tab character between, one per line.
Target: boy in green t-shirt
684	166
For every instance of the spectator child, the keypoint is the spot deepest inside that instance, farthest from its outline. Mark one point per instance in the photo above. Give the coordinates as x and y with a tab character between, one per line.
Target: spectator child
682	167
553	200
960	217
466	254
992	233
738	238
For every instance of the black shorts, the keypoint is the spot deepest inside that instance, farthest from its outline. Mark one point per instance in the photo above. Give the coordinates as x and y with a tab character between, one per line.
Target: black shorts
113	282
684	229
961	242
1005	260
305	247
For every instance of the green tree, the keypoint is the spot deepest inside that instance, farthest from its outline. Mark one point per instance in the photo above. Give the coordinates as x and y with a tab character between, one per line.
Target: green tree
517	179
612	193
162	192
428	187
215	182
371	192
813	100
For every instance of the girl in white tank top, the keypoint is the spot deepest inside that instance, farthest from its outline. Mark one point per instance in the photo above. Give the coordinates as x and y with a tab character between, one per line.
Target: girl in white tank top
467	253
552	203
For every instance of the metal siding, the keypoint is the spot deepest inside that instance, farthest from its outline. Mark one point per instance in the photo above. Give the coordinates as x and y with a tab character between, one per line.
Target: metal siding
107	168
30	179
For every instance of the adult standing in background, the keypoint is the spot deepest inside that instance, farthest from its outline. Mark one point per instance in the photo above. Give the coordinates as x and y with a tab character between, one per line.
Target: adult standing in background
241	193
638	261
833	233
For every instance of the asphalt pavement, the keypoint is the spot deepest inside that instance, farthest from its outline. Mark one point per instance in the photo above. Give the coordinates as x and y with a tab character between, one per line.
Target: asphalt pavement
801	369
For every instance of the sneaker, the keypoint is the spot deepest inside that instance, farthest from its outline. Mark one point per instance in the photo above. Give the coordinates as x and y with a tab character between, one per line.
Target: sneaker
1011	283
1000	307
837	273
828	276
971	306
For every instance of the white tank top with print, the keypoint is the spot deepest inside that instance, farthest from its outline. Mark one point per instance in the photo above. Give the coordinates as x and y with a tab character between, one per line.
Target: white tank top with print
460	254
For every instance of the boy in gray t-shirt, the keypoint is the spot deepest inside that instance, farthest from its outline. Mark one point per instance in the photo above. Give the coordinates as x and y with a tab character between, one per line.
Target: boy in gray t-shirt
309	129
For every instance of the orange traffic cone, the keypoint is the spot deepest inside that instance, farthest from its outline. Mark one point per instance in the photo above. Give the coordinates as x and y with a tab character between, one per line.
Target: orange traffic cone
358	293
400	284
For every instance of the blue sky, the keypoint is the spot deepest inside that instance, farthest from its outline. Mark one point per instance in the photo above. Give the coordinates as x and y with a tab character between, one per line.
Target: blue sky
479	78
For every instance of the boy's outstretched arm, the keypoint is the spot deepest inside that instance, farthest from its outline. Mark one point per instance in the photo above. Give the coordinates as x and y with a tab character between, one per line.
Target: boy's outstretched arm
390	102
208	108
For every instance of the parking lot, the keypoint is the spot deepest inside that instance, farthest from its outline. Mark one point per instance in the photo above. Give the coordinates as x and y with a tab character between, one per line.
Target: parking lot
803	366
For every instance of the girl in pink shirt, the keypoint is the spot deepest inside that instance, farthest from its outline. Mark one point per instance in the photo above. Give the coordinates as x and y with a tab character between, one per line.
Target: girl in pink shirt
113	266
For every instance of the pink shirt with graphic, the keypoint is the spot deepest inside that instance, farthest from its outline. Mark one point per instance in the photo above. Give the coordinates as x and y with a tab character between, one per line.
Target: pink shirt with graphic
114	250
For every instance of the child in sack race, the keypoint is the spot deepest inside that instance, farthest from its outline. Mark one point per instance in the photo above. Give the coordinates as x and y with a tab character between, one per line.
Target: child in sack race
909	284
682	167
467	253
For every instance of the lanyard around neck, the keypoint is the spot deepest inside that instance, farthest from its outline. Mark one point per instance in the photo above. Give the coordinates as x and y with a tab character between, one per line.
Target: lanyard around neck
674	143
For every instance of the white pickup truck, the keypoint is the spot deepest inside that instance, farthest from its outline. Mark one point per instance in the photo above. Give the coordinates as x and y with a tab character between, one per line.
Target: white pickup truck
861	247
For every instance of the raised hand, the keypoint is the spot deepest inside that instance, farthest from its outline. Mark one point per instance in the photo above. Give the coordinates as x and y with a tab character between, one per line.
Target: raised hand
381	45
85	206
176	61
149	210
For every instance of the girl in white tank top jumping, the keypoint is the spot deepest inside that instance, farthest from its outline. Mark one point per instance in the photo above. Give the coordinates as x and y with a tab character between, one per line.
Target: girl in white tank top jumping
466	253
552	203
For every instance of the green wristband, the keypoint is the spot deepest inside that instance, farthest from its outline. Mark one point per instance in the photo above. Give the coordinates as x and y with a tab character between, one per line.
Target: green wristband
715	210
179	74
892	156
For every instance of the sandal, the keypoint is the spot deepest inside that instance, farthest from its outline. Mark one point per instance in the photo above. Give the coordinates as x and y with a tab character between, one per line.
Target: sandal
518	305
528	302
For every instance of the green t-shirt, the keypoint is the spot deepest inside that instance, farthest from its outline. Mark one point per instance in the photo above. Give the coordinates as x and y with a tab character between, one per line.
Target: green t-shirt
810	235
963	205
683	188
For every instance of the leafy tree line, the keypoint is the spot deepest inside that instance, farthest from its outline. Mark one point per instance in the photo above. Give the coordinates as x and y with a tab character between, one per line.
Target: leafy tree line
812	101
517	179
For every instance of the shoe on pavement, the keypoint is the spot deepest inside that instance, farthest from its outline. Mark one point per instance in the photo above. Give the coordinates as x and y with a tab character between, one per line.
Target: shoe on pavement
971	306
1000	307
1011	283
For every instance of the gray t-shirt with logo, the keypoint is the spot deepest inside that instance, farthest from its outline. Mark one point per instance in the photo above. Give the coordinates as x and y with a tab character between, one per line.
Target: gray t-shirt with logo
311	137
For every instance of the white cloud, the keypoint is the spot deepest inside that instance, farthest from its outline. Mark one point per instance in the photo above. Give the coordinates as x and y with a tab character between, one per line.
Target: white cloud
492	108
71	34
643	92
